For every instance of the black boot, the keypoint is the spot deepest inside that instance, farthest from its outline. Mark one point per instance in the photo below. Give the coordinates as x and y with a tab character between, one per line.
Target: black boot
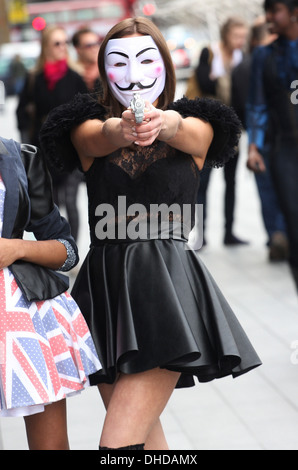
132	447
231	240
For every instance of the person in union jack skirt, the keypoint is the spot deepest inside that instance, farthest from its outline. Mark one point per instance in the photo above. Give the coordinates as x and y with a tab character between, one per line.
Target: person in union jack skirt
46	351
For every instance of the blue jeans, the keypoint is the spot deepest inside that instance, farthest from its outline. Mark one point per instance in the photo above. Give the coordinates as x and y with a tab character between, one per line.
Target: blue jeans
284	166
273	217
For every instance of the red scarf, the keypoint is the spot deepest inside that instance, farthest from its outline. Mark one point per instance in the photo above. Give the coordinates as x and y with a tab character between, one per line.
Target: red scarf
54	71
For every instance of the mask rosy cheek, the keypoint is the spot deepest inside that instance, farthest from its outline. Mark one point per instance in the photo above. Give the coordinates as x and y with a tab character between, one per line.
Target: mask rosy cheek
111	76
158	70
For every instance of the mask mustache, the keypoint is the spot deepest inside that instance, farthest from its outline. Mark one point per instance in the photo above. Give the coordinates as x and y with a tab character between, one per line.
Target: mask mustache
138	84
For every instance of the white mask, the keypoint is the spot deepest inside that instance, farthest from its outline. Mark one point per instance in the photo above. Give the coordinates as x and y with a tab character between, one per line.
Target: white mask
134	65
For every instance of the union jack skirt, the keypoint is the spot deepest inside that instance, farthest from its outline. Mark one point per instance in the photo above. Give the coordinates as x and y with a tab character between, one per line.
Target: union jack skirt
46	350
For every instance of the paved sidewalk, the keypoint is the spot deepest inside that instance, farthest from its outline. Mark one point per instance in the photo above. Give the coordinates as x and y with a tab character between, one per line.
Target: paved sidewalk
258	411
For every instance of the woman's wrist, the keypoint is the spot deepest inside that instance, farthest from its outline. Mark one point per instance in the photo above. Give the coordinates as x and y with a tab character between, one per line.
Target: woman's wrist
112	131
171	121
19	247
49	253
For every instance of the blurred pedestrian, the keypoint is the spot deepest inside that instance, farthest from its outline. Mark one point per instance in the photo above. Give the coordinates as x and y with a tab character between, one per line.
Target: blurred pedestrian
46	351
273	112
214	75
86	43
52	83
273	217
17	74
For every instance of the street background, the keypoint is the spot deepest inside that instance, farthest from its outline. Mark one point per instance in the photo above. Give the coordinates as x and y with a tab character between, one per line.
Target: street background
258	411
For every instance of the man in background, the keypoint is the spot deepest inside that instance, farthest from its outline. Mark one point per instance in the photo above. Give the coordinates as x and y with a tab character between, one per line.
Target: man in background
86	43
270	107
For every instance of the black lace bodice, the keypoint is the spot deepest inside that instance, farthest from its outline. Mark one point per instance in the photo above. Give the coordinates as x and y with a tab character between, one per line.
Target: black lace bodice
148	176
158	174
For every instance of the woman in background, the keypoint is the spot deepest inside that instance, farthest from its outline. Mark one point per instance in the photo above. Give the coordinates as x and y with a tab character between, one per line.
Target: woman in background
214	77
53	82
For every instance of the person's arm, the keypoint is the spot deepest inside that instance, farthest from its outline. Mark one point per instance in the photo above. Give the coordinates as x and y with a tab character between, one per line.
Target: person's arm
94	138
193	137
256	112
255	161
54	246
80	128
49	253
190	135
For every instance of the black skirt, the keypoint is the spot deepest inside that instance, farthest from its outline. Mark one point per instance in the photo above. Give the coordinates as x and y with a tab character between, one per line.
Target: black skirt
154	304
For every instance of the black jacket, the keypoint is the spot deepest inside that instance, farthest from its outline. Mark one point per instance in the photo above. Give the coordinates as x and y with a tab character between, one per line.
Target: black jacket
36	101
29	207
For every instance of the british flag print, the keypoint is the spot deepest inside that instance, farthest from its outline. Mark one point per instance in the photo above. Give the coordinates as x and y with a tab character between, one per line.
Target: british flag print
46	351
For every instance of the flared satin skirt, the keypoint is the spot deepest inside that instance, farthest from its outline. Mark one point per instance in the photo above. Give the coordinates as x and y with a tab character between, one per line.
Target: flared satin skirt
154	304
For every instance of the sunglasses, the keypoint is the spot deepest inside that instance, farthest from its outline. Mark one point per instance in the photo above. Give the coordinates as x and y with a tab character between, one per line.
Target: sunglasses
90	45
60	43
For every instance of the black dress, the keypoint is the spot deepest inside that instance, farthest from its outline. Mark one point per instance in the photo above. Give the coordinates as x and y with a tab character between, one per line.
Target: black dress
151	302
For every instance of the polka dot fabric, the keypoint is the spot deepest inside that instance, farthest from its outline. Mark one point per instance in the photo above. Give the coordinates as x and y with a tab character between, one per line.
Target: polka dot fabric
46	351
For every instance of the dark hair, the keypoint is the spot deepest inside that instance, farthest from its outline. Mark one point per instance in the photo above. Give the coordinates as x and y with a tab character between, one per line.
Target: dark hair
145	27
291	4
258	33
77	35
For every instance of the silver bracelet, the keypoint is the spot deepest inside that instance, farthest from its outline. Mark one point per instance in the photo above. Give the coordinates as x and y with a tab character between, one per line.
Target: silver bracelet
71	256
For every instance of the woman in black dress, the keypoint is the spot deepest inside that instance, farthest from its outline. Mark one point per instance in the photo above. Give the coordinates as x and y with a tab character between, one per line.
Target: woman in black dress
157	317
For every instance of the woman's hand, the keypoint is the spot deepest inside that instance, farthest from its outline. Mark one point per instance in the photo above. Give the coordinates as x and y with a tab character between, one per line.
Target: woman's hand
9	251
143	134
94	138
255	161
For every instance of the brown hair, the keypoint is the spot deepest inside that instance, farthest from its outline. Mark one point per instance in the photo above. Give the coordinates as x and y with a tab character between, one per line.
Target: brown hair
45	40
230	24
145	27
77	35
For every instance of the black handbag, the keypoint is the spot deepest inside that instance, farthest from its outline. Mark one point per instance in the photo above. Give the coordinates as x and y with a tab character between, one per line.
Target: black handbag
37	282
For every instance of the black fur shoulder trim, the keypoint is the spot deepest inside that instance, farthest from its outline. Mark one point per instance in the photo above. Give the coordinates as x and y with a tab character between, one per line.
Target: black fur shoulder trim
55	134
226	125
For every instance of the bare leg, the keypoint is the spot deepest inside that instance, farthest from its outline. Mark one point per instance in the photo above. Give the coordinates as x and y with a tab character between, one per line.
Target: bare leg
156	439
135	406
48	430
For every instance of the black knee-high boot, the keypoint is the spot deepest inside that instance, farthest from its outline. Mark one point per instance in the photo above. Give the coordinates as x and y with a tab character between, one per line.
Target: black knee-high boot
132	447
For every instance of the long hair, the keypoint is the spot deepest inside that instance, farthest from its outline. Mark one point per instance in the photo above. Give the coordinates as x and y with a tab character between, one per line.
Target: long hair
145	27
45	40
230	24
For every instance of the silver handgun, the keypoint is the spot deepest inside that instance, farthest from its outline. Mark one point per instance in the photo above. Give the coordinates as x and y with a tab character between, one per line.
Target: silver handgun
137	105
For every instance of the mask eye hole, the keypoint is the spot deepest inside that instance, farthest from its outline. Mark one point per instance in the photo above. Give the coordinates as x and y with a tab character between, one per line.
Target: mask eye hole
147	61
119	64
